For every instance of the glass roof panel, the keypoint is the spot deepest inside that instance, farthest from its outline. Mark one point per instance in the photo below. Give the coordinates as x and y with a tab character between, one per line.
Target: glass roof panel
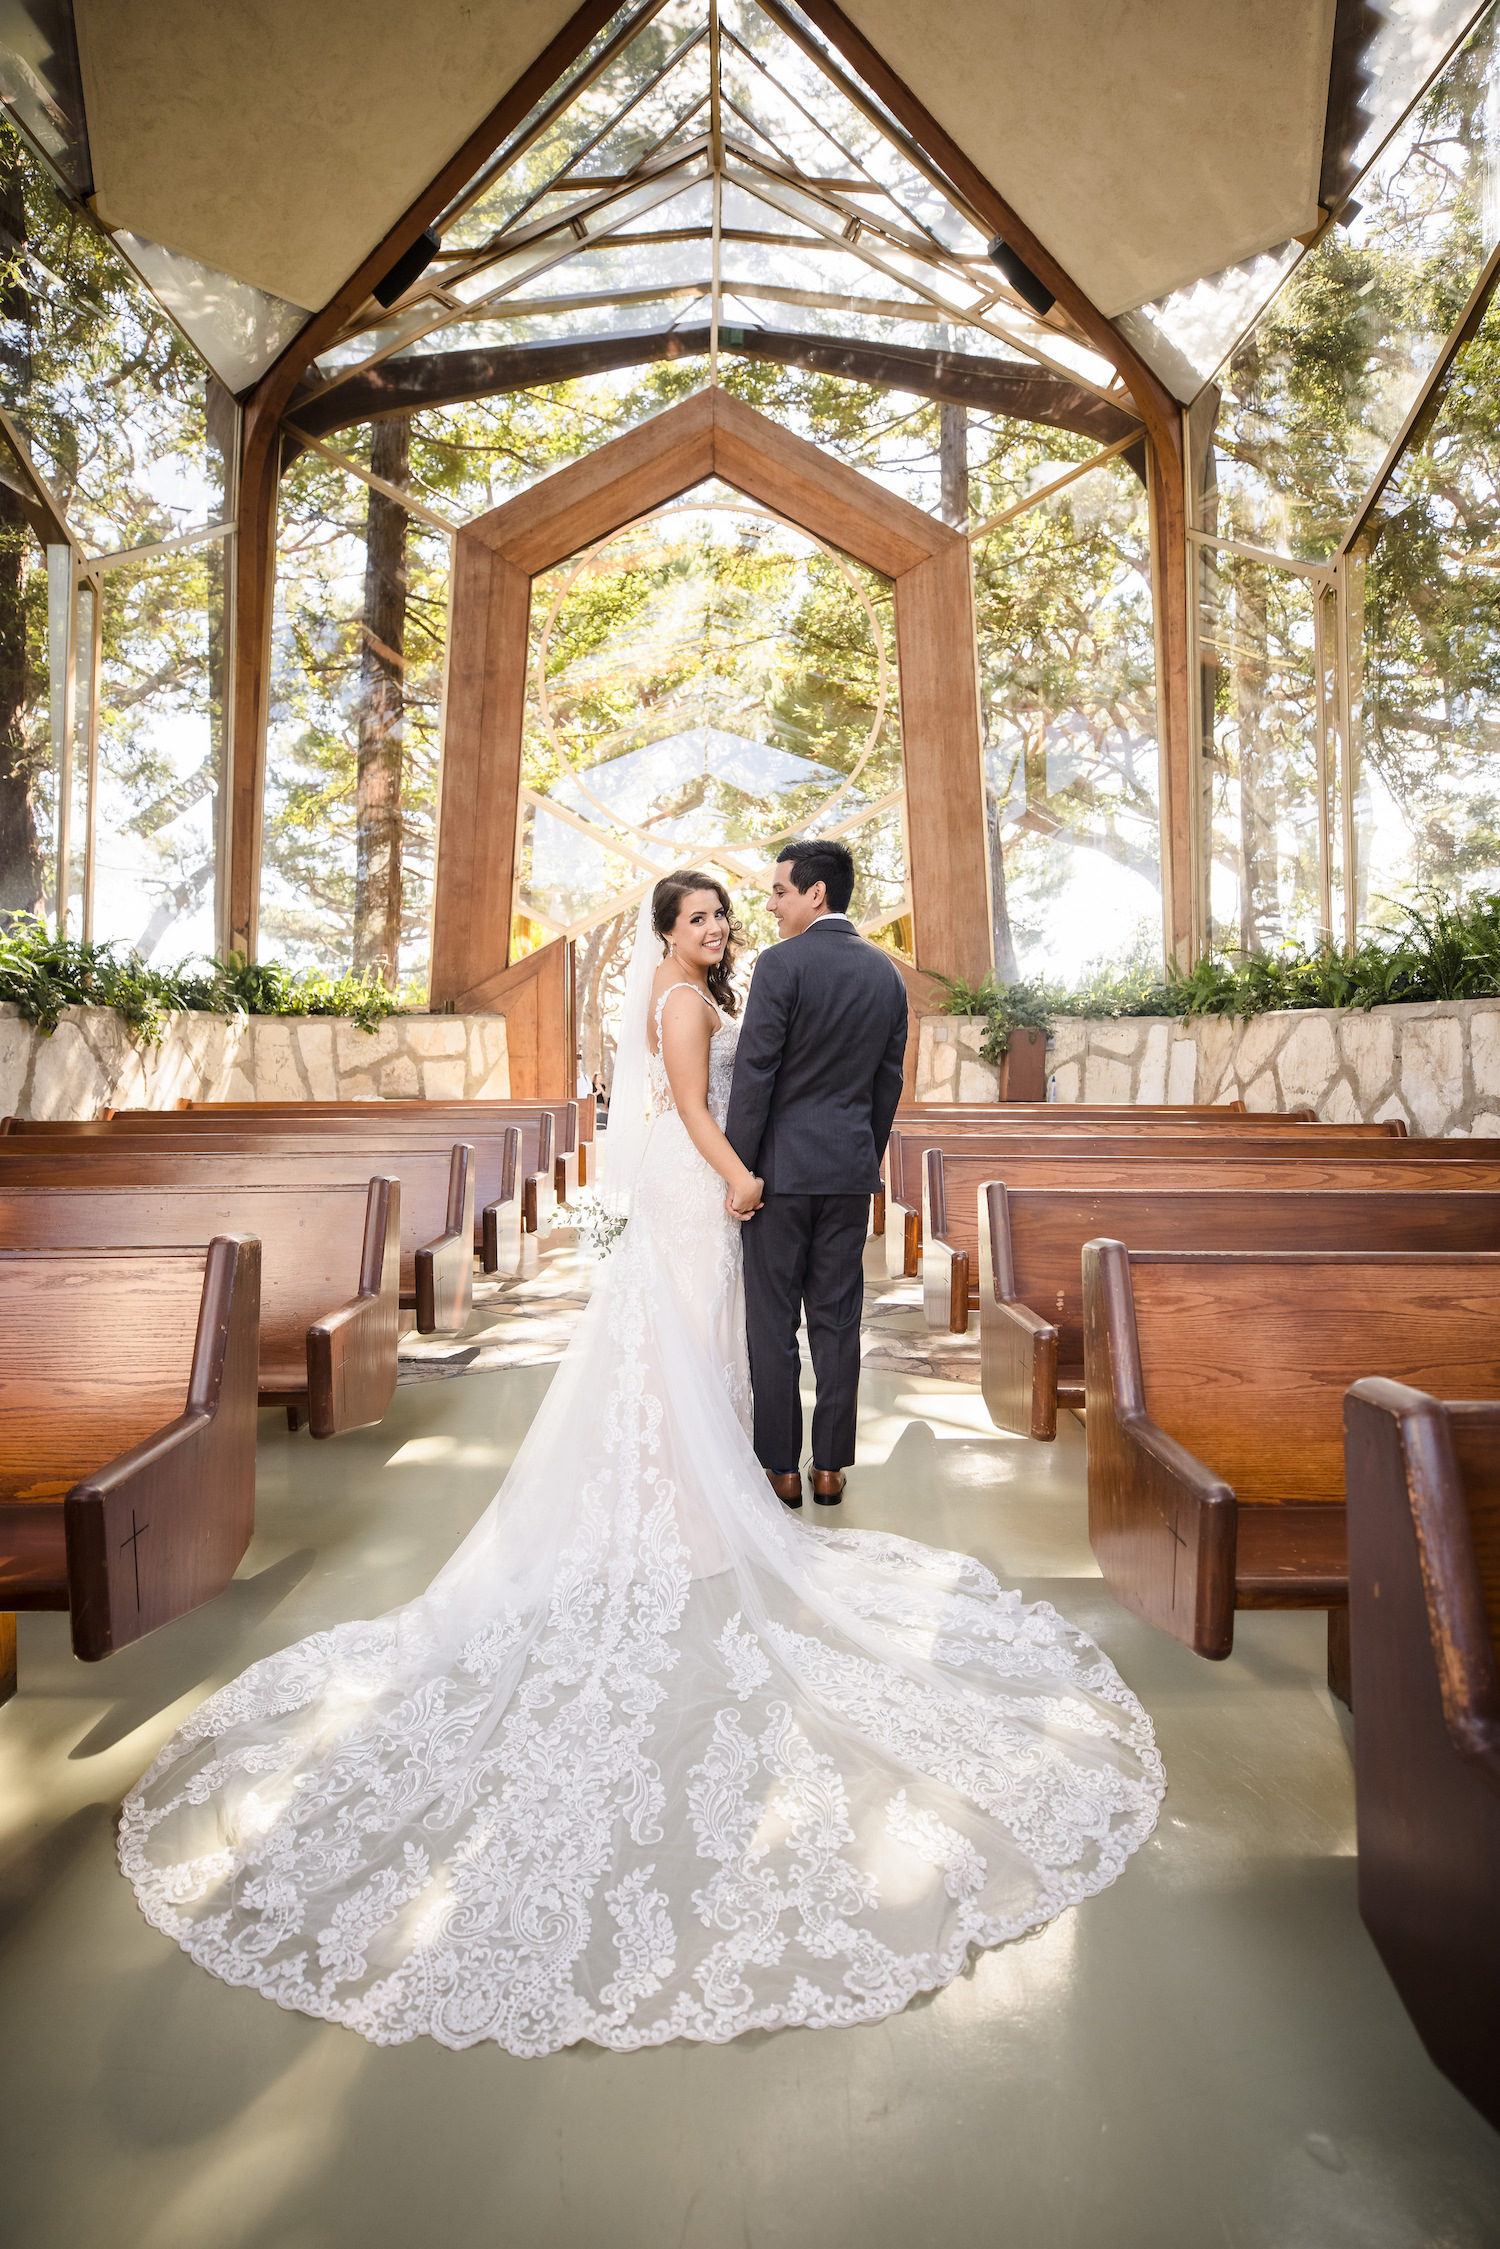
817	267
740	209
654	118
558	321
622	265
846	129
1316	393
535	163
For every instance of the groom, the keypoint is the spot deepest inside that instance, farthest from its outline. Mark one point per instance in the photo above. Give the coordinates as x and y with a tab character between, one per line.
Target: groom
817	1076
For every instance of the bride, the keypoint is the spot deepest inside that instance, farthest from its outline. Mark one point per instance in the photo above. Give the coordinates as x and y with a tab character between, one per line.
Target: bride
649	1759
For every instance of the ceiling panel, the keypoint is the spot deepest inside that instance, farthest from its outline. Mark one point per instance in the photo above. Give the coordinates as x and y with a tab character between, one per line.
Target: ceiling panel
1146	142
279	142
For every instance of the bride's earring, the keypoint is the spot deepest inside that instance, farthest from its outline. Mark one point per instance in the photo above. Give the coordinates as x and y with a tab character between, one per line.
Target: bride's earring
671	948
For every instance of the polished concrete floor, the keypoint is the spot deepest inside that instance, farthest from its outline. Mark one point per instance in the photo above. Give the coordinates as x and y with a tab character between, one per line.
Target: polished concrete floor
1208	2054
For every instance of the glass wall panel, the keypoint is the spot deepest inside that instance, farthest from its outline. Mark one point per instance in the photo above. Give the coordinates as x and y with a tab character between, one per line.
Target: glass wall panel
160	754
701	686
1068	688
1266	806
358	649
81	762
1425	626
1314	396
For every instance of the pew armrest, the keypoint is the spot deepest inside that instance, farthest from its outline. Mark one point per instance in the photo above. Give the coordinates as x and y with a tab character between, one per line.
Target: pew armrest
501	1228
351	1355
1017	1348
162	1527
445	1267
903	1241
945	1285
1161	1524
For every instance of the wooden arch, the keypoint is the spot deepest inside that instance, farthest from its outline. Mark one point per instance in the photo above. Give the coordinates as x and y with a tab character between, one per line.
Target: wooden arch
709	434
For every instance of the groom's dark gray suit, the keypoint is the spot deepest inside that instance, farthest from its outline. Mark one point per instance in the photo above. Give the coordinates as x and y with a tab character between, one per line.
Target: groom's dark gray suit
817	1077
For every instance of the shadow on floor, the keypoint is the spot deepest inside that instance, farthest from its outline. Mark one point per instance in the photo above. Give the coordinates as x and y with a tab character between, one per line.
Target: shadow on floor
154	1673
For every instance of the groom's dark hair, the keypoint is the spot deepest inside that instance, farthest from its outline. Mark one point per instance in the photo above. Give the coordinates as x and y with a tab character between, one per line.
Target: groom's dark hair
831	864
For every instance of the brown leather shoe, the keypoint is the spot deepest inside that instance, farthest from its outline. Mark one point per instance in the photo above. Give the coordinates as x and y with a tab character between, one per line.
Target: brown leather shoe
828	1486
788	1489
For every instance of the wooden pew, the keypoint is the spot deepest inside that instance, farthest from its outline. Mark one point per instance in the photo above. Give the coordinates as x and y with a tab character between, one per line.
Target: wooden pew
522	1171
1031	1259
330	1272
906	1168
1424	1614
436	1203
1214	1385
918	1117
127	1435
466	1121
953	1211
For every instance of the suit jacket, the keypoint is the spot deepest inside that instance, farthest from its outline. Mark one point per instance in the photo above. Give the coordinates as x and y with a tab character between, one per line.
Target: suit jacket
817	1073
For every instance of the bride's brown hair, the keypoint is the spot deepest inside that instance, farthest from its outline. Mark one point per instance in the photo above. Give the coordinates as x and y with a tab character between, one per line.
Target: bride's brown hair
666	905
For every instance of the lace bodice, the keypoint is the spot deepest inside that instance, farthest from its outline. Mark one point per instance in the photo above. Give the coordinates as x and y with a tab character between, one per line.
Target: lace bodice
720	1062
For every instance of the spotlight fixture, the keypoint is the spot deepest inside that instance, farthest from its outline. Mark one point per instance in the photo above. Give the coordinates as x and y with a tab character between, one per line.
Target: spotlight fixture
406	269
1020	276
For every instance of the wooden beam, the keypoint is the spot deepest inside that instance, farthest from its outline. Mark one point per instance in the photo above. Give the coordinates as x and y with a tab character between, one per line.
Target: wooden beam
1015	388
535	995
481	772
260	448
709	433
941	746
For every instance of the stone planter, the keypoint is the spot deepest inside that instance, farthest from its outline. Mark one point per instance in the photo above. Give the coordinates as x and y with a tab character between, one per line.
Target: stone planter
1435	1065
91	1062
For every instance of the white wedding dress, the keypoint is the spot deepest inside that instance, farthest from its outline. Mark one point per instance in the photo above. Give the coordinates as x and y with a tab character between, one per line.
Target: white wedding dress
651	1758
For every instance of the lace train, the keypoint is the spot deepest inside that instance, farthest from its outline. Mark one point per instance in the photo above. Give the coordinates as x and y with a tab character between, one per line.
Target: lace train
649	1759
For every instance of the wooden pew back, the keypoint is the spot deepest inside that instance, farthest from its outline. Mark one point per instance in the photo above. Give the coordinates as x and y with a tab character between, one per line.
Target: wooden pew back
573	1120
311	1235
513	1160
97	1351
952	1177
1424	1602
1044	1230
1244	1356
435	1180
127	1434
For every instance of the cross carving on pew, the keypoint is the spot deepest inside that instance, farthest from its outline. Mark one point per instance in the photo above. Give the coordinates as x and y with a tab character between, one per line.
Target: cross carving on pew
137	1532
1180	1543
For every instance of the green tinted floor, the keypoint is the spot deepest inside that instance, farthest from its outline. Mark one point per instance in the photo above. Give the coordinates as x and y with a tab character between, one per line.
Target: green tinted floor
1208	2054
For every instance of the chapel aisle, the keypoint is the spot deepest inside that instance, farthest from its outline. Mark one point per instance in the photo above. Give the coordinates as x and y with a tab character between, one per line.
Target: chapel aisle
1236	2062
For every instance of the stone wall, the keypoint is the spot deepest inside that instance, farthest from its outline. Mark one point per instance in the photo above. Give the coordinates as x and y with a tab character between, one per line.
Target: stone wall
91	1061
1436	1066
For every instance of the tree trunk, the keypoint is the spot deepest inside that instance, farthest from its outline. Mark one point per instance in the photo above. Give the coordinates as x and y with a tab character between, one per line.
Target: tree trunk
1006	969
377	797
1260	900
22	875
953	463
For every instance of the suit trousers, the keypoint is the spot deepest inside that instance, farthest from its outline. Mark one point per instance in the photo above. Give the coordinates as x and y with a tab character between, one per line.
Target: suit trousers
805	1251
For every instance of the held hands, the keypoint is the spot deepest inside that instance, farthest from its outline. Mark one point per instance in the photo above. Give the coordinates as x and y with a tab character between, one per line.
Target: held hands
743	1202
